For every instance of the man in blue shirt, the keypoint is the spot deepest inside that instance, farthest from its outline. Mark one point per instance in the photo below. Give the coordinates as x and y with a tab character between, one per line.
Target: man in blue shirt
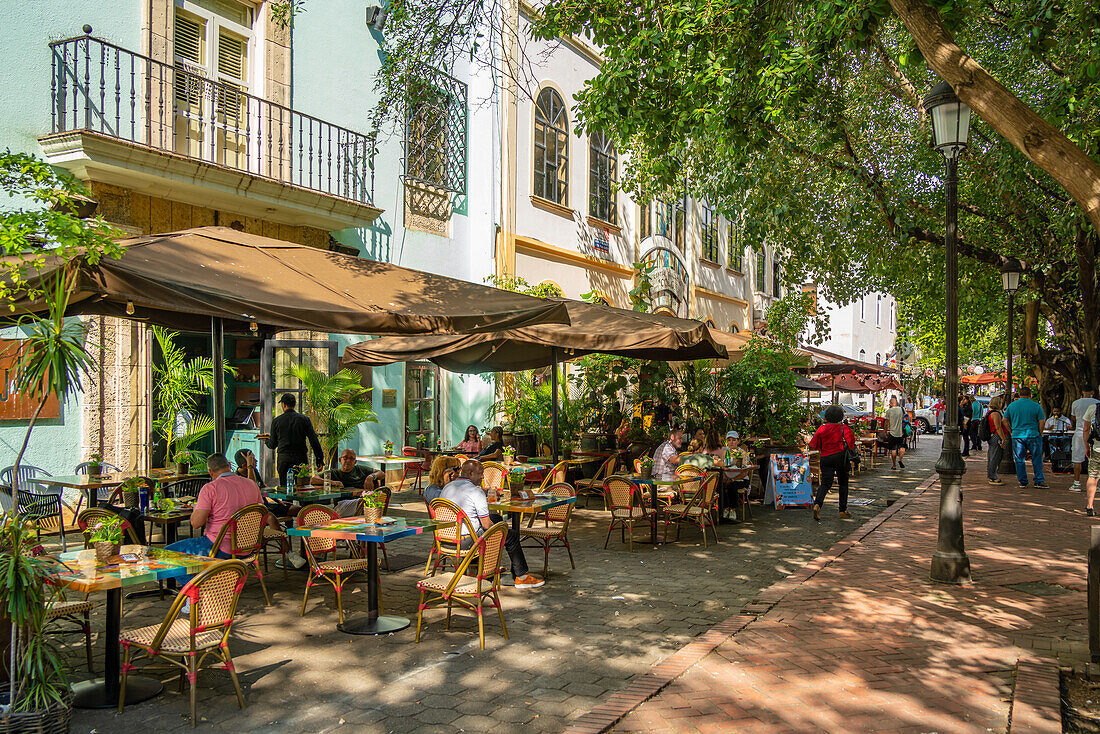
1025	418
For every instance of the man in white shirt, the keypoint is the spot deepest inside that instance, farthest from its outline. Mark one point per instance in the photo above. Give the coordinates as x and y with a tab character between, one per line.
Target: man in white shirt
667	456
1057	422
467	493
1092	451
1077	415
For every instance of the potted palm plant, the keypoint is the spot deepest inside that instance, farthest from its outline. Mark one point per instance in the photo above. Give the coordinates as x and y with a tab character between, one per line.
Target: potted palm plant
337	404
37	697
95	465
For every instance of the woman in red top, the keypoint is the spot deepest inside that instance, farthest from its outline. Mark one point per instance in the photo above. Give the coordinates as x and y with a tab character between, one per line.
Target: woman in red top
831	440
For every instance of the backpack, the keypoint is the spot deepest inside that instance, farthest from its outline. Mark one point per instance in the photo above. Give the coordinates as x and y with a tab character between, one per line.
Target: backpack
984	431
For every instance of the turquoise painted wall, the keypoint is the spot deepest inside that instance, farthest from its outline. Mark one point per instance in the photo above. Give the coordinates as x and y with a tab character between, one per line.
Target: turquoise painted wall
343	93
26	28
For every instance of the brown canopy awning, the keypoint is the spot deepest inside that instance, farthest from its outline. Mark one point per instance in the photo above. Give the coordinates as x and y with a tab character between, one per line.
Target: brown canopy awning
828	363
182	279
593	329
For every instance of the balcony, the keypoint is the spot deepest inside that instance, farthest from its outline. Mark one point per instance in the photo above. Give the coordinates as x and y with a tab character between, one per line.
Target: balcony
121	118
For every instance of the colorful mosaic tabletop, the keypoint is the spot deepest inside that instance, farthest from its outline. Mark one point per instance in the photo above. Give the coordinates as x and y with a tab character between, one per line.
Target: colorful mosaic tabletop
528	467
356	528
86	481
538	504
379	459
638	479
84	573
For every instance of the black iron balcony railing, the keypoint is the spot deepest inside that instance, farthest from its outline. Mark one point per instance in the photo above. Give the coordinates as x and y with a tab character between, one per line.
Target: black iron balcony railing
99	87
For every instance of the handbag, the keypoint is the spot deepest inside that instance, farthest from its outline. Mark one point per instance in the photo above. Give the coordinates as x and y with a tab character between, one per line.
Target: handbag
851	456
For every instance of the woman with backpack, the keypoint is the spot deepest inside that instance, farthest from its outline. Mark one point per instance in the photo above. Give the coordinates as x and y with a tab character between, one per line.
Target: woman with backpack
992	432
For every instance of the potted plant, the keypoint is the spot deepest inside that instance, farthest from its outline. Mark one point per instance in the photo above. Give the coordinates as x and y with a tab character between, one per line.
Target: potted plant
645	467
302	473
130	491
187	458
516	478
509	454
373	505
106	537
38	698
387	447
95	466
337	404
421	440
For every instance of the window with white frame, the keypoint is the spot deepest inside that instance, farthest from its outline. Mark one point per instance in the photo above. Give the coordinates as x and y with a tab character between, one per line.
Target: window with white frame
708	233
551	148
211	44
878	310
735	252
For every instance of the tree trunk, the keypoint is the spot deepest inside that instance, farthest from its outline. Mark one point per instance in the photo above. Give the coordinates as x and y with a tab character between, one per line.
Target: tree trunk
1042	143
27	439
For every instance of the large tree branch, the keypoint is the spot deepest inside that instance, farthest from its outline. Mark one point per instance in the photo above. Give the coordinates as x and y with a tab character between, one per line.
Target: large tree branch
1042	143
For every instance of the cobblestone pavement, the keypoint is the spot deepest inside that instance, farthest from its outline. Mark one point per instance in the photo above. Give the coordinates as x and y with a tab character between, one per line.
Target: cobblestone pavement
862	641
574	642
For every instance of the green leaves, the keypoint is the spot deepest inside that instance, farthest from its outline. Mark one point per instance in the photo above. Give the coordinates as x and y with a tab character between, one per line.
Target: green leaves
337	404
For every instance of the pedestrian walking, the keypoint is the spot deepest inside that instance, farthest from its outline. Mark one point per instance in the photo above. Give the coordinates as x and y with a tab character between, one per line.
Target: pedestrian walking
977	412
964	424
1091	439
1077	418
1025	419
895	438
833	440
997	440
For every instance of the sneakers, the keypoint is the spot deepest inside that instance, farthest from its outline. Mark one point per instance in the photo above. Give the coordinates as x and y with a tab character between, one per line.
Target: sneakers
817	512
1089	512
995	481
1023	485
295	559
845	514
1075	487
1042	485
529	582
901	464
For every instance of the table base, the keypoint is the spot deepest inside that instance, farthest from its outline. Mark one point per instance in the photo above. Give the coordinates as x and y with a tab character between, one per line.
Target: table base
93	694
367	625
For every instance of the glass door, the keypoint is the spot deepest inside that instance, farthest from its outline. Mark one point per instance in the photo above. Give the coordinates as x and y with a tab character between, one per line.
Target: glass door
421	404
278	356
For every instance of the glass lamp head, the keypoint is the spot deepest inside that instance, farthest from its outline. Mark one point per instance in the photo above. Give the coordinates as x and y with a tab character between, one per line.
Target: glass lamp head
950	120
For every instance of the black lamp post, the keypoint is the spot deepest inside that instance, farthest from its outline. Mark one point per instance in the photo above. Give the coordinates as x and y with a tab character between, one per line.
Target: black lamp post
950	131
1010	279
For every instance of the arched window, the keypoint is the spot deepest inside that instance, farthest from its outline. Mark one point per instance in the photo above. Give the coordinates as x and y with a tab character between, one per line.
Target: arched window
862	355
551	148
602	177
709	321
878	357
734	328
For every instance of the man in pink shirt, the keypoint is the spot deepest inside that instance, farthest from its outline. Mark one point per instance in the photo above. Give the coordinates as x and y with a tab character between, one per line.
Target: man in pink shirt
219	500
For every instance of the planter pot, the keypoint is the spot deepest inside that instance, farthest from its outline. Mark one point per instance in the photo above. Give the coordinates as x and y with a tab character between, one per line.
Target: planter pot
301	481
646	472
104	549
95	470
372	514
183	467
53	720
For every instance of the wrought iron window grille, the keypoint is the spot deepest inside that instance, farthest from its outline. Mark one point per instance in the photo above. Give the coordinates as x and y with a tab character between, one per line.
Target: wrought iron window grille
436	134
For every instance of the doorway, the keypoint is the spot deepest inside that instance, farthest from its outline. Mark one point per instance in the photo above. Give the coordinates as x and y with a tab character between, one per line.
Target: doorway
421	404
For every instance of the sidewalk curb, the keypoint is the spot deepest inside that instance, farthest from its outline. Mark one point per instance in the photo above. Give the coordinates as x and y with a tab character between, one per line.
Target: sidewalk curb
641	689
1036	698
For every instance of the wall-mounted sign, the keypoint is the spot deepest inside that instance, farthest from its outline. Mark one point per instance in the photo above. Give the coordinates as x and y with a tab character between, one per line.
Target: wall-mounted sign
389	398
13	406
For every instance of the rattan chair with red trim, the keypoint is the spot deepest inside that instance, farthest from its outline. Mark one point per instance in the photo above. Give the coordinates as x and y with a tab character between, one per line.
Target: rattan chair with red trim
188	642
90	516
700	511
335	570
555	531
683	492
246	539
594	487
465	589
493	475
280	540
446	545
555	476
623	497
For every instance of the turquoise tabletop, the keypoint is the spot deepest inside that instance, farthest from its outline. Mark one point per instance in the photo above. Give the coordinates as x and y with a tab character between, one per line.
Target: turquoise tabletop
309	495
357	528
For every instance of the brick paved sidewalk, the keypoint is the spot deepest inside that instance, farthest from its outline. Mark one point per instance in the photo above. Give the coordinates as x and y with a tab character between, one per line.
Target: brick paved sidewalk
861	640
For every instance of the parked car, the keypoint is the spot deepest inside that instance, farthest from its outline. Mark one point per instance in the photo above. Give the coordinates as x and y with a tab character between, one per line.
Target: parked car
927	420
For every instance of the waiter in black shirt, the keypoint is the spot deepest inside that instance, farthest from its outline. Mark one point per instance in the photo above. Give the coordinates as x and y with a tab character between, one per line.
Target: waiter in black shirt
289	433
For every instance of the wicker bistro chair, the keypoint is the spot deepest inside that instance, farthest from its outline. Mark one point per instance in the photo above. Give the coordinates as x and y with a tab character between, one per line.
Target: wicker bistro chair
594	487
622	496
101	493
76	612
185	487
187	643
89	516
447	542
335	571
469	590
555	531
246	539
494	475
681	493
555	476
699	511
44	510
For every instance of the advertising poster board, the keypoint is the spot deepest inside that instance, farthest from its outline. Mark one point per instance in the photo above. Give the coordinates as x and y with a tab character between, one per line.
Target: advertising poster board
789	481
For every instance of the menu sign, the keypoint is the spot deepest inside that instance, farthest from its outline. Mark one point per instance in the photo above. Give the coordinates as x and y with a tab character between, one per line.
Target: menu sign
789	481
13	405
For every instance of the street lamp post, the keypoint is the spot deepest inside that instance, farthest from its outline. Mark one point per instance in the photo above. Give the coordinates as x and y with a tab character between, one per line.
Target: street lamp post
1010	279
950	131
